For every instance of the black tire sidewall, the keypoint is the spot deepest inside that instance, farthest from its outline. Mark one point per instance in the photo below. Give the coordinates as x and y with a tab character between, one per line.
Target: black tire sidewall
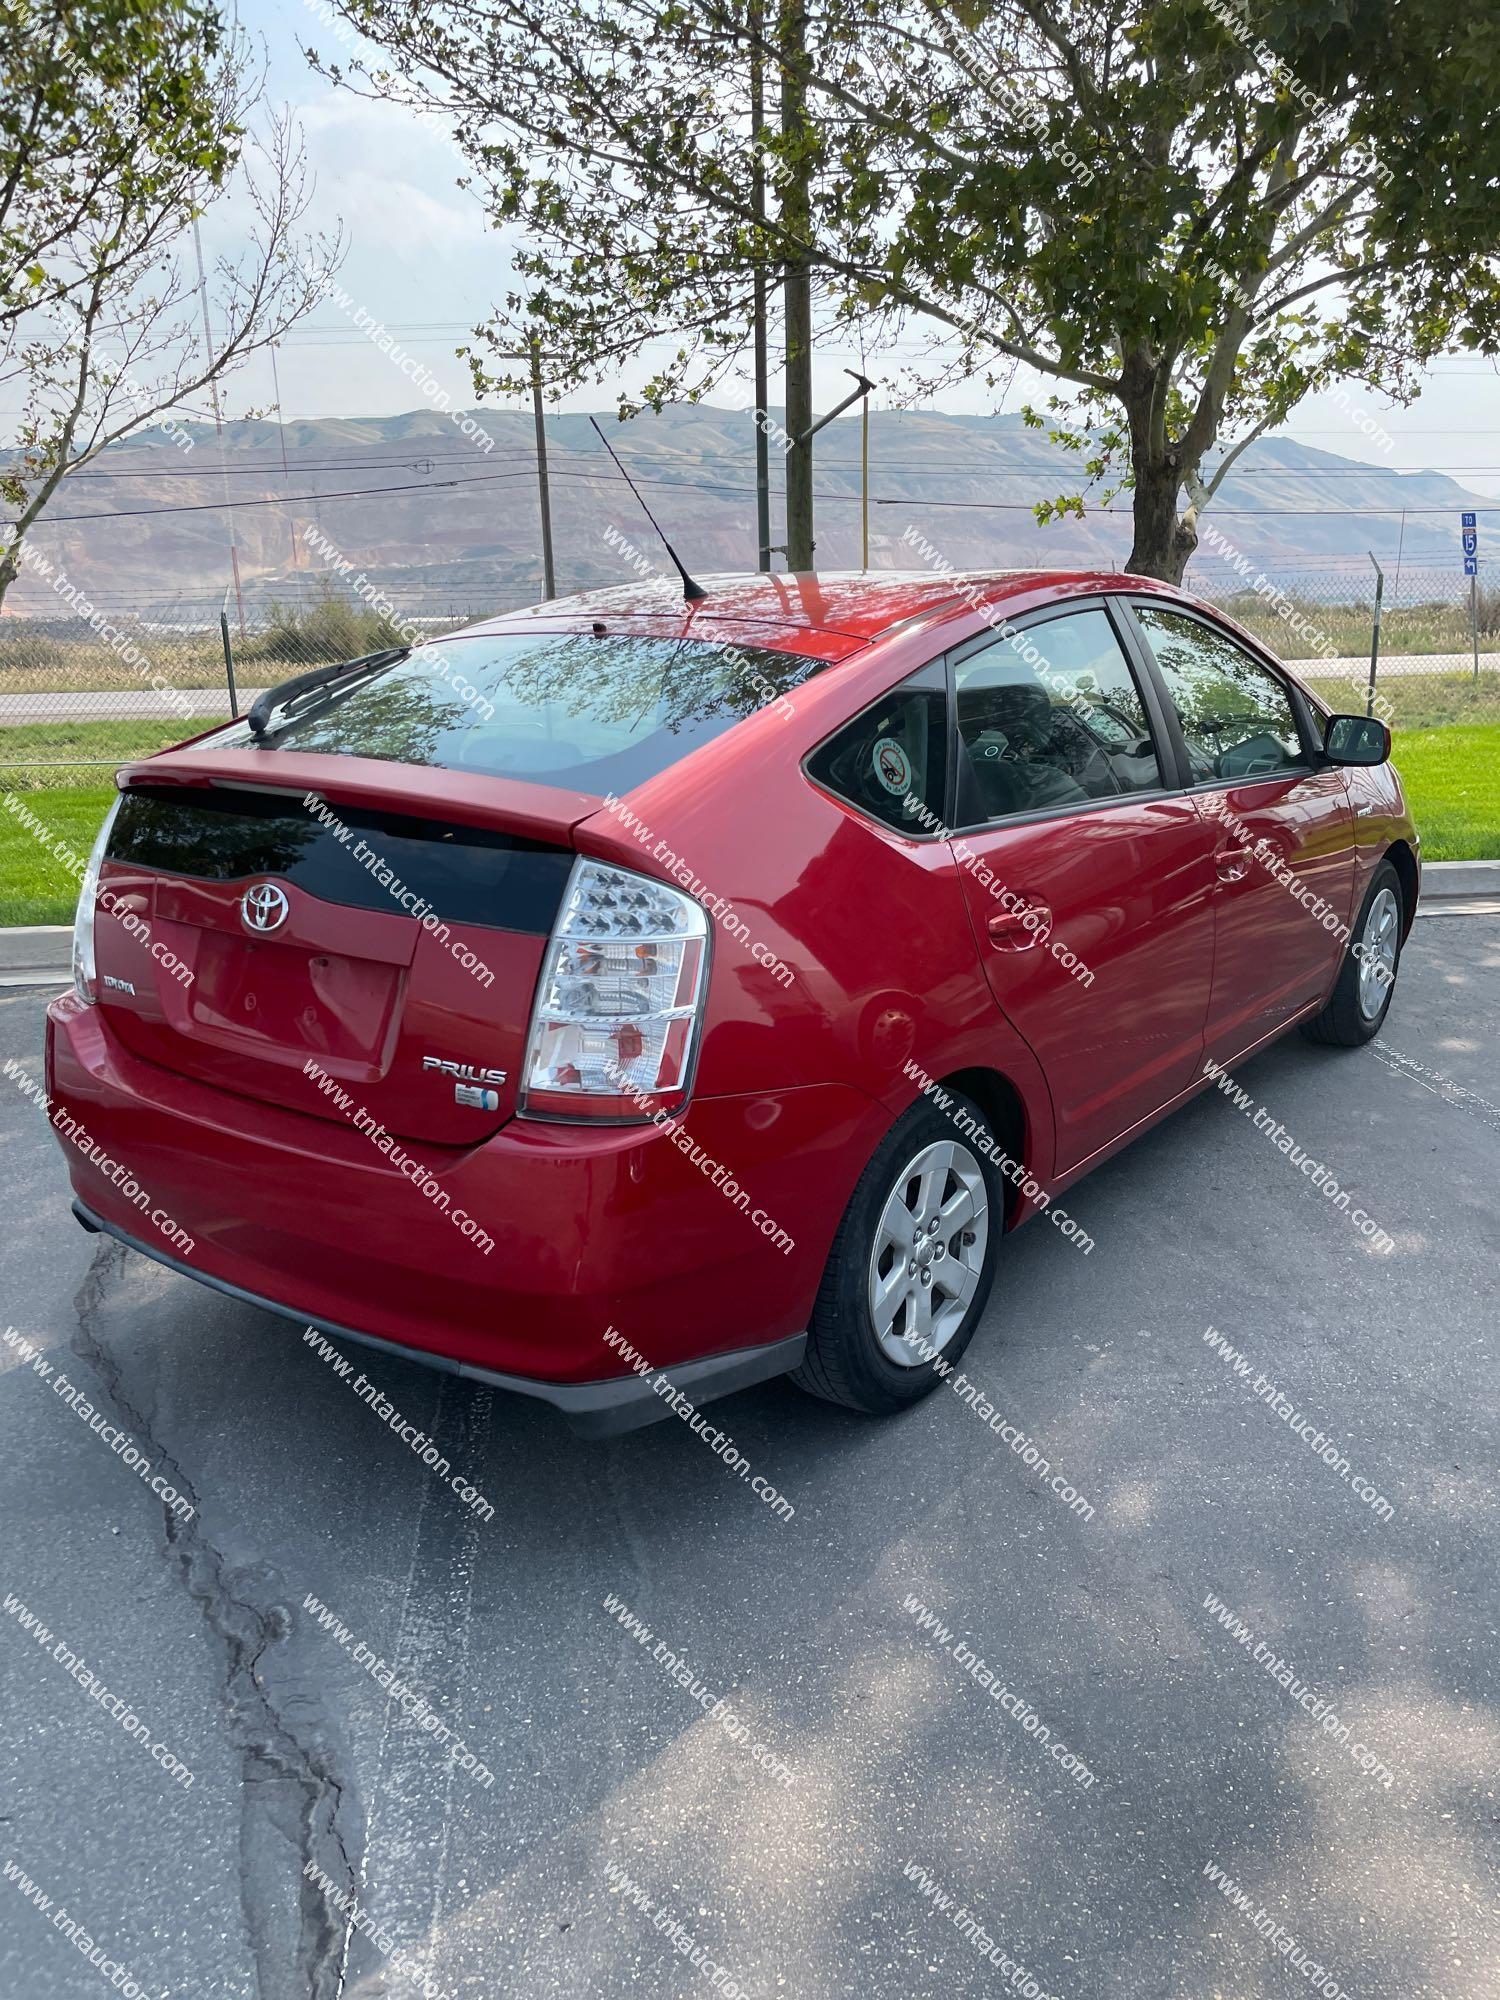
876	1382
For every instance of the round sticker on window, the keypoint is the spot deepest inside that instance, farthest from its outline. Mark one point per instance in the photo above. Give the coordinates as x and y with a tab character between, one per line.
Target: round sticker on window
893	766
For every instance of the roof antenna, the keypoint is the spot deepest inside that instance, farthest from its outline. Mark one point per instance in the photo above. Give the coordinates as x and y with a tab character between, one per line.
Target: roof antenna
692	592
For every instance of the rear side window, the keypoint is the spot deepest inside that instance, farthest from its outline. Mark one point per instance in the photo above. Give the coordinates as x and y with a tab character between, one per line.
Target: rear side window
585	713
892	761
1052	716
1236	716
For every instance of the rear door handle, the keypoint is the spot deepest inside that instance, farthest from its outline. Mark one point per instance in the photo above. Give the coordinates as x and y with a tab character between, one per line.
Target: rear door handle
1232	863
1019	930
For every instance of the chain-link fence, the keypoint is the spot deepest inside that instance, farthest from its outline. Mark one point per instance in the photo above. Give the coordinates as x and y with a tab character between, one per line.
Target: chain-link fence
81	695
1439	654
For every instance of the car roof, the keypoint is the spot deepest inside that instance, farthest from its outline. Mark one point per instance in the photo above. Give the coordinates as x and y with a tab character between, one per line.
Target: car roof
845	609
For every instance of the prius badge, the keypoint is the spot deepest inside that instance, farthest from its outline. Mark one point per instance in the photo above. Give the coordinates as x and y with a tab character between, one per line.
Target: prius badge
469	1082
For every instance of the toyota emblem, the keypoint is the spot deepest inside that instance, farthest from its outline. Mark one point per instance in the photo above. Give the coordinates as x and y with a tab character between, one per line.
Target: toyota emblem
265	907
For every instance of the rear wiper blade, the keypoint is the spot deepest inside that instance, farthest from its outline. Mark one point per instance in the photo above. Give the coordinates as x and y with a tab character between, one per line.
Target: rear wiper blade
291	692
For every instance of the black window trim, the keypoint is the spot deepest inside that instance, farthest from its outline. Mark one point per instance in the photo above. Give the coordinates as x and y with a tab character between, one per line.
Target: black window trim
1312	745
929	678
1161	714
1148	685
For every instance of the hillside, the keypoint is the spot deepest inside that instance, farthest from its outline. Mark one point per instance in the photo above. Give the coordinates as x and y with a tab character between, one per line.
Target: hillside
460	523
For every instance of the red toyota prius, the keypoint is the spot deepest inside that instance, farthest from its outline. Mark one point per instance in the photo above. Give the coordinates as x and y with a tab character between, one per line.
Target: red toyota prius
631	989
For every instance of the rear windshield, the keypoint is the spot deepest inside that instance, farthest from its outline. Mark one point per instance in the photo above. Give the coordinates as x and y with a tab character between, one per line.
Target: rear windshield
590	714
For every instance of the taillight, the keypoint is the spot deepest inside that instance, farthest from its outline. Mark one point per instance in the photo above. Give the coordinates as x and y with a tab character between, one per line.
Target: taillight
619	1002
83	922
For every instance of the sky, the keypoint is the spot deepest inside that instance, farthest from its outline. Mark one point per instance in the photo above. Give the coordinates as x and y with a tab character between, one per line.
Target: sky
424	261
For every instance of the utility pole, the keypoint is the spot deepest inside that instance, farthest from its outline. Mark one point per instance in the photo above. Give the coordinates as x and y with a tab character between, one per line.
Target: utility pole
864	479
281	435
762	368
213	390
548	576
796	227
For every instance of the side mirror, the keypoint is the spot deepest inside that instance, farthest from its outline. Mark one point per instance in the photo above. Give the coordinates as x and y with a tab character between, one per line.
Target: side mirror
1356	739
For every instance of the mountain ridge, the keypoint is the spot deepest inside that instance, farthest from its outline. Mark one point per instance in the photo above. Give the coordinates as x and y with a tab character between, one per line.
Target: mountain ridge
420	510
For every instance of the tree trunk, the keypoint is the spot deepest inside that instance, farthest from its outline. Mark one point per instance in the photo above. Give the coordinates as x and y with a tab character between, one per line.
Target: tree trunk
10	569
796	220
1163	540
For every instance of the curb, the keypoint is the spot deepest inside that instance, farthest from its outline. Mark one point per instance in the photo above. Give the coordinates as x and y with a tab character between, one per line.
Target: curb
36	955
41	954
1460	889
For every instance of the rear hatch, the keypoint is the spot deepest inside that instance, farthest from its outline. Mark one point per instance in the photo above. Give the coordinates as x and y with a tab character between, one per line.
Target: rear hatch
341	904
361	963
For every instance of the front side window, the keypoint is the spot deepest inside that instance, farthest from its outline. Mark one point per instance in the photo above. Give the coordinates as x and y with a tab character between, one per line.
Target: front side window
1236	716
1052	716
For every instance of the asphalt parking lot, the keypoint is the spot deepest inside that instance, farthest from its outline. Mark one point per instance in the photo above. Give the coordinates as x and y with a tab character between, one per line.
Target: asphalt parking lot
630	1827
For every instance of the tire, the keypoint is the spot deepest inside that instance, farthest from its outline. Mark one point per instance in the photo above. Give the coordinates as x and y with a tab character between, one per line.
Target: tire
924	1156
1361	998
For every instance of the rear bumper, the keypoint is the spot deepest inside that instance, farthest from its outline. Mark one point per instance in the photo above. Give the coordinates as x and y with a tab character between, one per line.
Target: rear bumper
594	1230
593	1409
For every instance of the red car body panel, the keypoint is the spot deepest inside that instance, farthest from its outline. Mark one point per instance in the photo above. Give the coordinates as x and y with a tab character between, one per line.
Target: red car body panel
893	957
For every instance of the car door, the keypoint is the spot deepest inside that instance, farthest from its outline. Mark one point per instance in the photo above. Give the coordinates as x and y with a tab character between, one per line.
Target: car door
1282	819
1088	878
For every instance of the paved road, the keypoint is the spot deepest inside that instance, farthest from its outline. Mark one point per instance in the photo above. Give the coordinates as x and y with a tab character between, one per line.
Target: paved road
144	704
600	1758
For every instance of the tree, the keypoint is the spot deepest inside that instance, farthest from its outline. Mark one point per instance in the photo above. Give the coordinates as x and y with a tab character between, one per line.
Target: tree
1187	214
122	120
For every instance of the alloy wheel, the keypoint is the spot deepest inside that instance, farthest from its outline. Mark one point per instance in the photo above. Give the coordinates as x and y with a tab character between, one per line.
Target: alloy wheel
929	1252
1377	957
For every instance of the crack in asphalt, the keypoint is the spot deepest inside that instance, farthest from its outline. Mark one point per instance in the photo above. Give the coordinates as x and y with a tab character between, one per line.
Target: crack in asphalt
291	1793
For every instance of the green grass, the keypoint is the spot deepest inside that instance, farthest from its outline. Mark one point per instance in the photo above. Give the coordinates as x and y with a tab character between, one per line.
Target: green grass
1452	780
35	886
1418	701
105	745
1451	775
